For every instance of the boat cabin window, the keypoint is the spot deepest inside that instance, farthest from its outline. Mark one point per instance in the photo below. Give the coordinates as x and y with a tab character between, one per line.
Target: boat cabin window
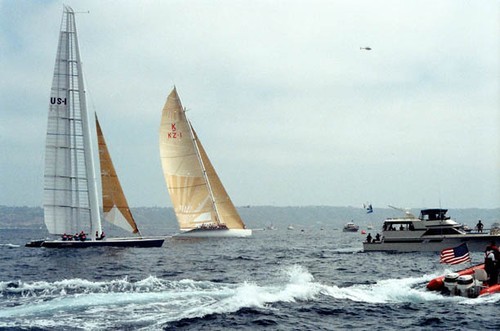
403	226
441	231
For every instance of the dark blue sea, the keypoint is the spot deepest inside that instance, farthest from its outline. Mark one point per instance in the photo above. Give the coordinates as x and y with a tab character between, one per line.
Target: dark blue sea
301	279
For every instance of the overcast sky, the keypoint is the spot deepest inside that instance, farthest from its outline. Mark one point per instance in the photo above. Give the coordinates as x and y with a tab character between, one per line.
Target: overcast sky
289	109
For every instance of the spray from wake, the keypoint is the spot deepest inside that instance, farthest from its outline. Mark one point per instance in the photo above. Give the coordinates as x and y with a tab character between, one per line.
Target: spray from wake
404	290
10	245
151	302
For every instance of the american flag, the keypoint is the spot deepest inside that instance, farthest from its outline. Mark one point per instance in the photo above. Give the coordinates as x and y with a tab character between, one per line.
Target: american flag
457	255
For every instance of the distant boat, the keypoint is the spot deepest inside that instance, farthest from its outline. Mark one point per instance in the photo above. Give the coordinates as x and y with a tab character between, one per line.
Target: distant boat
290	227
71	207
350	227
369	227
202	206
466	228
270	227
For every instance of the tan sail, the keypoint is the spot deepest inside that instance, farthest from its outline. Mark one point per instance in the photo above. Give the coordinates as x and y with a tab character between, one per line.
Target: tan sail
114	203
197	198
227	213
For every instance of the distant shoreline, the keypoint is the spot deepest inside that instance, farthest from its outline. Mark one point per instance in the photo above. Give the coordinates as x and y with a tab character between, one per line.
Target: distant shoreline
262	216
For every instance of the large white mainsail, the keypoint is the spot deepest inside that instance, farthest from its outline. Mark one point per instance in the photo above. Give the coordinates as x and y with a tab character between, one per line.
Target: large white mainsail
70	192
197	194
70	189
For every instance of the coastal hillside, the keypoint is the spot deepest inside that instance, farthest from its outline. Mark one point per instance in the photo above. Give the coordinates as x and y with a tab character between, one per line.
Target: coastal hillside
161	220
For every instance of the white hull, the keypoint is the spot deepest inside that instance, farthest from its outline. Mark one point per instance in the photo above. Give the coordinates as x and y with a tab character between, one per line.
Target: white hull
432	231
475	243
218	233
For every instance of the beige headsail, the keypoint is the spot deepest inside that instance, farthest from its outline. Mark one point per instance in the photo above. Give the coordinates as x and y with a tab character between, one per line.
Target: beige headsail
225	208
197	193
114	203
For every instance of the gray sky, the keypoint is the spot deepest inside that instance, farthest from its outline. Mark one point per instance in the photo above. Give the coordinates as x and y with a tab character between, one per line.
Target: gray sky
289	109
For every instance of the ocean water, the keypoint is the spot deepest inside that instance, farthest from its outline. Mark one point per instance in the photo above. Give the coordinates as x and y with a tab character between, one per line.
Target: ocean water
276	280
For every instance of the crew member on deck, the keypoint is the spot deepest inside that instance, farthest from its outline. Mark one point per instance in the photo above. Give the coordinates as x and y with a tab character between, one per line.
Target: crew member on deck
369	238
491	263
479	226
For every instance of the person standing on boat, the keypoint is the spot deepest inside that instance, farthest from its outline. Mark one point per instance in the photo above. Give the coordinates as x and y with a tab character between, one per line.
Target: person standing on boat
479	226
369	238
491	263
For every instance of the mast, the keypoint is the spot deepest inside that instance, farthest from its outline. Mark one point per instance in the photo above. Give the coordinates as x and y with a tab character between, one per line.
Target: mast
194	137
88	133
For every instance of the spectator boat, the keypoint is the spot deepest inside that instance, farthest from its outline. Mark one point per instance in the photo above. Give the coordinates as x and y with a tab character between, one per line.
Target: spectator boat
432	231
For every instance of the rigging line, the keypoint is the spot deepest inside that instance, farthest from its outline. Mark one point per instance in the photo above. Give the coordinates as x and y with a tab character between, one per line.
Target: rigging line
89	94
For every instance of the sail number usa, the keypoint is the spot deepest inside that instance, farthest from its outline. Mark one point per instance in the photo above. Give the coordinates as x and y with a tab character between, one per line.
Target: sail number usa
173	133
58	101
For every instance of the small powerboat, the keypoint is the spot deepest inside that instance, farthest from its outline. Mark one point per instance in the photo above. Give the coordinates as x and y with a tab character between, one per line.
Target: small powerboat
470	282
350	227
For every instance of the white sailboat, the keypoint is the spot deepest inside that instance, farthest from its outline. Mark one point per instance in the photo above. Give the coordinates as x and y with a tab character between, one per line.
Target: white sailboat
202	206
70	190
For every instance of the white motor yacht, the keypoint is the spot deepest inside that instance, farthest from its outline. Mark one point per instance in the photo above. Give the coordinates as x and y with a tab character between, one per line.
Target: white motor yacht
432	231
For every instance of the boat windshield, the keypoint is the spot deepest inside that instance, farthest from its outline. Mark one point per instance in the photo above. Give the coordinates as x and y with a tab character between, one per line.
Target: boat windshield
441	231
433	214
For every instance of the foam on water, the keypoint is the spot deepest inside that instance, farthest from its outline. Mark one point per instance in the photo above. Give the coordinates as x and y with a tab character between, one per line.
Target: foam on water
404	290
10	245
151	302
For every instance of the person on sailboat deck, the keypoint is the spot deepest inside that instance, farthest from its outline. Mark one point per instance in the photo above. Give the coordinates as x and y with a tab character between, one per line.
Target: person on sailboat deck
82	236
369	238
491	263
377	237
101	237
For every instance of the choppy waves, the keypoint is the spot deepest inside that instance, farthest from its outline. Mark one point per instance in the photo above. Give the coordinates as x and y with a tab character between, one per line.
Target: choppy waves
151	302
157	303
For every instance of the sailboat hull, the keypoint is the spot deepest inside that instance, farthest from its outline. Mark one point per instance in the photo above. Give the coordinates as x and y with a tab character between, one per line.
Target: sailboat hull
113	242
215	233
